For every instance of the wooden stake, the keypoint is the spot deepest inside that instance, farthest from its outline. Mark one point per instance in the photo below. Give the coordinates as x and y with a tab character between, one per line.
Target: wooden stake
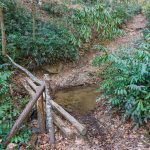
41	114
49	117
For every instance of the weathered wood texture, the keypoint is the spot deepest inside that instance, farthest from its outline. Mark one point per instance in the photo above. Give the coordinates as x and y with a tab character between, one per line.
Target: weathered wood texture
40	104
35	79
41	114
25	113
70	118
28	88
63	126
3	32
32	85
49	117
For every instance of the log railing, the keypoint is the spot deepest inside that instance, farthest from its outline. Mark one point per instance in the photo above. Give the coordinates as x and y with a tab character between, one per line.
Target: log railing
36	89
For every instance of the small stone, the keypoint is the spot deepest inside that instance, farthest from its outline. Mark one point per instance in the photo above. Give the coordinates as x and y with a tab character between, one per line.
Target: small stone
11	146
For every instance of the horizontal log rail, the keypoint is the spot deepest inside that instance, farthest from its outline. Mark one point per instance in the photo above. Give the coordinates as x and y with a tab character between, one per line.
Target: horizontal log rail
24	114
36	88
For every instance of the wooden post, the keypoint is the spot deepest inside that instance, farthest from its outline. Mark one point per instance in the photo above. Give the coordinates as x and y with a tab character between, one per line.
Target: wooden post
49	118
41	114
3	32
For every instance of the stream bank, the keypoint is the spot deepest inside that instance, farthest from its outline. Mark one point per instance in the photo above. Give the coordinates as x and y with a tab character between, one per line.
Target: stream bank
105	130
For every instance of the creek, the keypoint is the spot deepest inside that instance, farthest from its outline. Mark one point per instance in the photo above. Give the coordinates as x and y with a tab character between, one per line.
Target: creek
79	99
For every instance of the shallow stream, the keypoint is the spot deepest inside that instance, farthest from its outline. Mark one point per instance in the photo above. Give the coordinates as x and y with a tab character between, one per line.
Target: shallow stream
78	99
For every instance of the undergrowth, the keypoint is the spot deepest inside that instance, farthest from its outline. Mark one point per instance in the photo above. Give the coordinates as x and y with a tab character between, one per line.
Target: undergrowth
8	113
101	20
126	82
59	42
52	43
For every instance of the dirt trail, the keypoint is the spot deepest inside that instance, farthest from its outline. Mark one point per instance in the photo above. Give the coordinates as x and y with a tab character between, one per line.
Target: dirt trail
132	33
105	131
83	72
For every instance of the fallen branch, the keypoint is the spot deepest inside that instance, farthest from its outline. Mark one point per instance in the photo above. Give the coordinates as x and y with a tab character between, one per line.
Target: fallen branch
24	114
35	79
70	118
32	85
57	120
40	103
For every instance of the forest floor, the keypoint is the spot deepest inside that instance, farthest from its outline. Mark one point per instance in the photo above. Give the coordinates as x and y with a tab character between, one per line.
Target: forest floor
106	131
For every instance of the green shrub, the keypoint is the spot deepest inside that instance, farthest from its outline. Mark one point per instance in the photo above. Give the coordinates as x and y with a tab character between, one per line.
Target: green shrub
8	113
52	43
97	19
101	20
146	10
126	81
55	9
125	11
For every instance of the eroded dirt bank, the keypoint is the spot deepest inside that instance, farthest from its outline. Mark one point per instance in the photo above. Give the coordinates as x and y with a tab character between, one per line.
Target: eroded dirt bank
82	72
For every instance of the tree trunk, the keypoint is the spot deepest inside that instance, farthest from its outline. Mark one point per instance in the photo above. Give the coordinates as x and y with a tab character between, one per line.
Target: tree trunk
33	19
3	32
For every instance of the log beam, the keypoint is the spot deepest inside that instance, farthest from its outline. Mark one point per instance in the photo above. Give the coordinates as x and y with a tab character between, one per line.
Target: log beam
28	88
24	114
35	79
40	104
32	85
70	118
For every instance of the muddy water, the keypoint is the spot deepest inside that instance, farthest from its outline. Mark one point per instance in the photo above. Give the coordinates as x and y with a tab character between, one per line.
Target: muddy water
79	99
